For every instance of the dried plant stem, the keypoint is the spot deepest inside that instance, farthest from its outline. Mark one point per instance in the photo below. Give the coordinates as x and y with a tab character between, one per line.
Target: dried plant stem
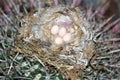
11	65
39	60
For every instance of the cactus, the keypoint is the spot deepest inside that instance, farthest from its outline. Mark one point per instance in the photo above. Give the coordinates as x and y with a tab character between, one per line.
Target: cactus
57	38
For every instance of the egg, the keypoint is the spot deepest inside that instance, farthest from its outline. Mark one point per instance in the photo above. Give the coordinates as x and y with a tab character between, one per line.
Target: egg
58	41
54	29
67	37
62	31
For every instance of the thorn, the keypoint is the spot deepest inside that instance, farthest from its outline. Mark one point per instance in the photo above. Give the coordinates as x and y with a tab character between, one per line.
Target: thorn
12	2
96	36
102	10
7	18
114	40
108	27
116	28
101	26
89	13
113	51
113	65
11	65
56	2
76	3
94	13
109	40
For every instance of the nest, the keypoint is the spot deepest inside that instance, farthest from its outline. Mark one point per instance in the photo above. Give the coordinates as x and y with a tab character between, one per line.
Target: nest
61	37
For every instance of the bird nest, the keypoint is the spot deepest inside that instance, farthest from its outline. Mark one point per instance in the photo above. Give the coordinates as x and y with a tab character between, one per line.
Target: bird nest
60	37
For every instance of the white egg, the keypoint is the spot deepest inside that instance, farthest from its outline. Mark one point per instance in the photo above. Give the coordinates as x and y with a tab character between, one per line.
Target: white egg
67	37
62	31
58	41
54	29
